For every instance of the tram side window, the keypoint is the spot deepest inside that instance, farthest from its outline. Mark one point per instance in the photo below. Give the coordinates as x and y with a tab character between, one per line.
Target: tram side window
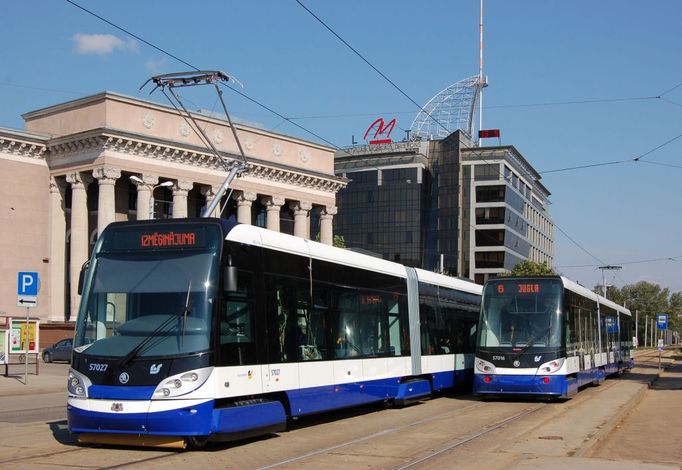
369	324
448	321
572	331
237	343
431	322
300	330
311	325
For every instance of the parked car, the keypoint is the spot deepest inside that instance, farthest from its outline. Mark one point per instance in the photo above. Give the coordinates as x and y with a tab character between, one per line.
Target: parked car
59	351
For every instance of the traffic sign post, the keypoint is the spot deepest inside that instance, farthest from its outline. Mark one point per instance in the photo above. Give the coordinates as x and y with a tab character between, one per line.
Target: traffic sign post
661	324
662	321
27	296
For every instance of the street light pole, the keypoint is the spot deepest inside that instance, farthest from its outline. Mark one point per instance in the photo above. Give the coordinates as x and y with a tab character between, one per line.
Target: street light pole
603	268
138	181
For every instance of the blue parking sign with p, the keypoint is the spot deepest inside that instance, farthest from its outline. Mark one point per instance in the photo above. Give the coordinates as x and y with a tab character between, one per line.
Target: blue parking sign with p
28	283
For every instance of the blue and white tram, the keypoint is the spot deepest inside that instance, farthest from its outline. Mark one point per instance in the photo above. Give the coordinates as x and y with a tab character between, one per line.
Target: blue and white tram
548	336
200	329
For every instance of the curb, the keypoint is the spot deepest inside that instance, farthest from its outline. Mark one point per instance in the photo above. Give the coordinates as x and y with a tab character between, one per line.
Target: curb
590	445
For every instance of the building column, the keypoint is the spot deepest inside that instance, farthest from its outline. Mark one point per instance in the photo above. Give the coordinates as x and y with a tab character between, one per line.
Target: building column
273	207
326	227
301	213
144	194
244	202
180	190
79	232
106	203
209	192
57	234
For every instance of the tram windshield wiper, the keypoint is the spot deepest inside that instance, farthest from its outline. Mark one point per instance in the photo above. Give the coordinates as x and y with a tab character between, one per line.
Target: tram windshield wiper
532	341
163	328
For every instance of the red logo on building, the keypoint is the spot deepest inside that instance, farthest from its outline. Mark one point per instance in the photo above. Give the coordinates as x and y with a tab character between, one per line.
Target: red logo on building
381	129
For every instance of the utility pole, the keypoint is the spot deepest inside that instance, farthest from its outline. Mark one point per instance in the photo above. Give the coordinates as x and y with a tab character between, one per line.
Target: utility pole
608	267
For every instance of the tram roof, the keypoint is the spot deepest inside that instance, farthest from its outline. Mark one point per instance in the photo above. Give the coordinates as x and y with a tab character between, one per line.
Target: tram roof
257	236
447	281
578	289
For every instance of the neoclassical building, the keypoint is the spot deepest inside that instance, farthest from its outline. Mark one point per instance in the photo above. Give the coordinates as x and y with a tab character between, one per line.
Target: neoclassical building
81	165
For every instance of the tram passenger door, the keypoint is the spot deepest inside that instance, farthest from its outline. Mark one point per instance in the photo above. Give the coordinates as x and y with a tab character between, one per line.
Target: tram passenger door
238	371
280	371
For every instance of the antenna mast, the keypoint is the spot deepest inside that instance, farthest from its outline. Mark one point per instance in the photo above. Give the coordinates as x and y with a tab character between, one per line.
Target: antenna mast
480	73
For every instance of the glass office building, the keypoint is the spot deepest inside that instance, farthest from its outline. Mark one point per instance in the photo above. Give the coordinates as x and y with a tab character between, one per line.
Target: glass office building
444	205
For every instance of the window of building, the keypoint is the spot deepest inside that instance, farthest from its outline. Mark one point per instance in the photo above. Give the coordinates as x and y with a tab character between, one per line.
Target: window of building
486	172
489	259
490	194
489	237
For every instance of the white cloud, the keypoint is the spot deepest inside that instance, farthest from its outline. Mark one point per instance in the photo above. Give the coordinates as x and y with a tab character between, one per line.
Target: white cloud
156	65
101	44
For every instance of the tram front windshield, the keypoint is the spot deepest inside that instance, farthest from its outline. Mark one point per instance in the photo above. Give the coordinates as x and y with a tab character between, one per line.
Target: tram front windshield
154	303
521	313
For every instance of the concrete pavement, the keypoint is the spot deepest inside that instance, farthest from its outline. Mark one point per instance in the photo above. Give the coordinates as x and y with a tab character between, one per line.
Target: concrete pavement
51	378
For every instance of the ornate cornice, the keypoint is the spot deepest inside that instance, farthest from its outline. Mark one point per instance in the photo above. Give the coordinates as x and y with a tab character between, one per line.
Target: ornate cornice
66	148
22	148
192	157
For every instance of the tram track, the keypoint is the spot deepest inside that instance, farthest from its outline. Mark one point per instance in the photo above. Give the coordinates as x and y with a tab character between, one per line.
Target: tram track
461	439
371	436
554	414
451	427
470	437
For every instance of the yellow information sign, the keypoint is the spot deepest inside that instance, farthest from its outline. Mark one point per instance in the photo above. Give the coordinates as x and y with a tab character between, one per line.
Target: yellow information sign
18	336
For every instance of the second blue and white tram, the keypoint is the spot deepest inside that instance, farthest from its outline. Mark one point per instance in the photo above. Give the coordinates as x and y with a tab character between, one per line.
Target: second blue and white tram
198	329
548	336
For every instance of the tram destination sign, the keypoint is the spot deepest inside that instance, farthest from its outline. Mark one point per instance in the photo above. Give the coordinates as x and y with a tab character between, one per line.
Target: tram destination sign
159	239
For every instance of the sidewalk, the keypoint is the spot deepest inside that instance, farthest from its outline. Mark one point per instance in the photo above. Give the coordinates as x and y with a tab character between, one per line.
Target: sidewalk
51	379
643	433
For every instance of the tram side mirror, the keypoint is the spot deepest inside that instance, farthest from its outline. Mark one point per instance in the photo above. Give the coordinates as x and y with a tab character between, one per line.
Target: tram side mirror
230	277
81	277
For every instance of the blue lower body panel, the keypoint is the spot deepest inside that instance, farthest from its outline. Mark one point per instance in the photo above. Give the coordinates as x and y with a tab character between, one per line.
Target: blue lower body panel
557	385
327	398
190	421
245	419
412	390
197	420
455	379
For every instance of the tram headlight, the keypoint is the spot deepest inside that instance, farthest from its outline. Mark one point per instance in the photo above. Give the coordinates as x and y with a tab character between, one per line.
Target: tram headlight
77	384
182	384
484	367
551	367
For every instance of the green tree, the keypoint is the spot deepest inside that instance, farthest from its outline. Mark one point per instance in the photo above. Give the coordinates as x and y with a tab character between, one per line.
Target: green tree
532	268
644	300
338	241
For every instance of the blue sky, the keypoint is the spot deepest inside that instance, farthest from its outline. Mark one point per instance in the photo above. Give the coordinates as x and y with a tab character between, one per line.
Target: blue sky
609	59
